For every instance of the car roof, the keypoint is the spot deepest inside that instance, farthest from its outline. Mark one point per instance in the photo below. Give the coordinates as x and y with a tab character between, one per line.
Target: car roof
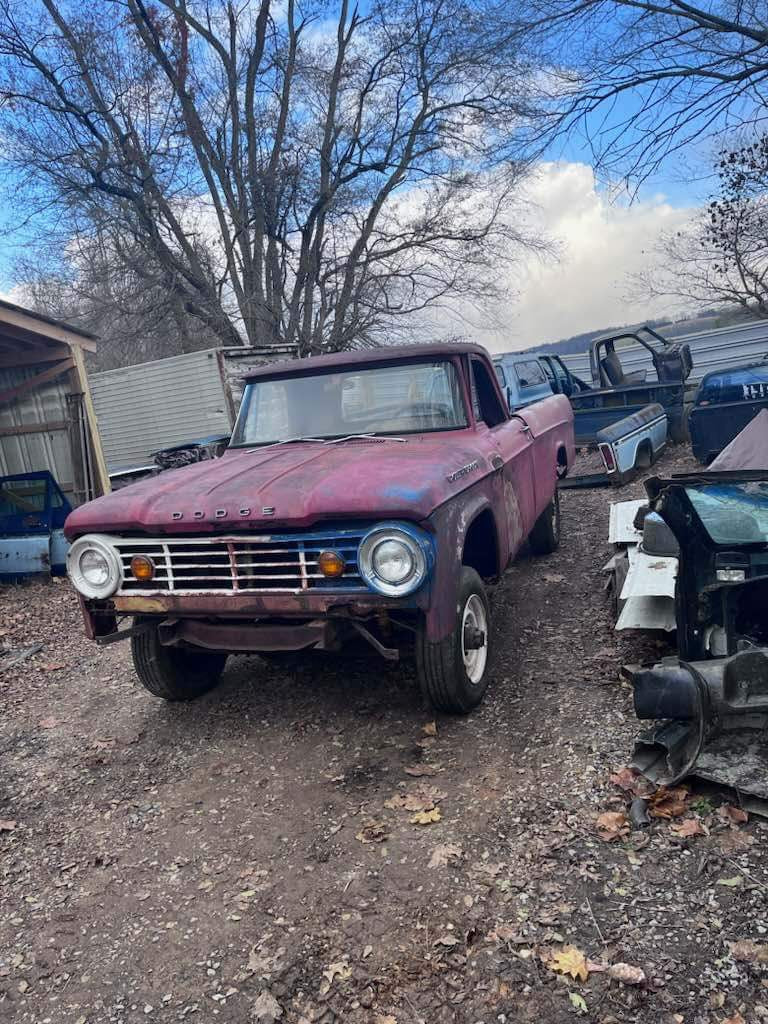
383	354
762	363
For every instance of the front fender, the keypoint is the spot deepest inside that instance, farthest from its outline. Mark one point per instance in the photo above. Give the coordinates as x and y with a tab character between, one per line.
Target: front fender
450	524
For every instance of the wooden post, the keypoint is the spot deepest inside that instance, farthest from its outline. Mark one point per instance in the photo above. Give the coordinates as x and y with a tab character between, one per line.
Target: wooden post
90	415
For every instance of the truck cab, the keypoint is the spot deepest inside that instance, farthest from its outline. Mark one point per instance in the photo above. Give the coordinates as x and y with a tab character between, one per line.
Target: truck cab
522	379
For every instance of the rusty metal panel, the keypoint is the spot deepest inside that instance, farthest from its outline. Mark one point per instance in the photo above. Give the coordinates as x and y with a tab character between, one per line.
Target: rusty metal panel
30	451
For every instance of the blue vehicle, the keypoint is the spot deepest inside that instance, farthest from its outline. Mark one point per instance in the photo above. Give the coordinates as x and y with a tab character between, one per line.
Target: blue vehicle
32	513
522	379
725	402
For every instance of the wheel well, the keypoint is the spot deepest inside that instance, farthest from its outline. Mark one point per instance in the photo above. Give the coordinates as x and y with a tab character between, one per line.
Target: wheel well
481	545
644	455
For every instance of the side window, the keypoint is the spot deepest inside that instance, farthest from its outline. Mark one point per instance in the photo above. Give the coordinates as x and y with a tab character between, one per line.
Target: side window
500	374
548	370
529	372
485	399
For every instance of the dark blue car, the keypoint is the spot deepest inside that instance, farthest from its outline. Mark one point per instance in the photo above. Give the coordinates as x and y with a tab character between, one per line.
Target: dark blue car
726	400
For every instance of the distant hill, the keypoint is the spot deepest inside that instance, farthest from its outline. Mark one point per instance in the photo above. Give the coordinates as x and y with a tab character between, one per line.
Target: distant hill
706	320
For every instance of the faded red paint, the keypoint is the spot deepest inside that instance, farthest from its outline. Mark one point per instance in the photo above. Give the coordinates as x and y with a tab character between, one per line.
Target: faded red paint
513	475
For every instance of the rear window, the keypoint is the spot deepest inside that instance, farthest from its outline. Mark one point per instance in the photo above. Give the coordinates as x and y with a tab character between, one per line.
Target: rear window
529	372
735	386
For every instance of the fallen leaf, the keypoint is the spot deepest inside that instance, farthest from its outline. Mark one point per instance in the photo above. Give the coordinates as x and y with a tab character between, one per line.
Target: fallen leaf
577	1002
48	723
734	814
748	951
668	803
372	832
689	828
627	974
427	817
730	882
570	960
367	950
23	986
735	1019
449	939
553	577
57	667
396	802
418	771
445	854
717	1000
612	825
430	729
388	1019
266	1008
6	825
625	778
340	970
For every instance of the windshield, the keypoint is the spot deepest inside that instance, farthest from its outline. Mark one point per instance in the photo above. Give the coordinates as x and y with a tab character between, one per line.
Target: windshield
403	399
732	513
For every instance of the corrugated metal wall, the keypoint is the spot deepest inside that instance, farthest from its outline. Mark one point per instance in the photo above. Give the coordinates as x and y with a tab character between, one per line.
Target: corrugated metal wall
159	404
711	350
25	452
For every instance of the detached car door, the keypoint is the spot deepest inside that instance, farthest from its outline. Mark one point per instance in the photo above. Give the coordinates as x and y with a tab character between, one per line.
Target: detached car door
509	438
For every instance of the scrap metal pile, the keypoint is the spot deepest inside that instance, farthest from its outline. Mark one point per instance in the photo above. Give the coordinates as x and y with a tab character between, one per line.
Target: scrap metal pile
693	558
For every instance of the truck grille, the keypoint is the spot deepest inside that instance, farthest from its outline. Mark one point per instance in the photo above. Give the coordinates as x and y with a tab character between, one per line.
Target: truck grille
280	563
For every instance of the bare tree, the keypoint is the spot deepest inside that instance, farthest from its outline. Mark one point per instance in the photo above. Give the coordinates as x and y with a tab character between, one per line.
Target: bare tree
722	256
644	79
308	174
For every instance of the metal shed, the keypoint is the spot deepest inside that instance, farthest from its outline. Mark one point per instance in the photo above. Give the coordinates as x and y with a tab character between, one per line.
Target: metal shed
47	417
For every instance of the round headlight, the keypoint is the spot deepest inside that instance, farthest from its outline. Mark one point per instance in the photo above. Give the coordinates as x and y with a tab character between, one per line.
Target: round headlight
393	560
94	567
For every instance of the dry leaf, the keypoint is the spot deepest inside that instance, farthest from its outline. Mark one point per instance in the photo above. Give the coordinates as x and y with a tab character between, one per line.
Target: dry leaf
427	817
48	723
56	667
735	1019
627	974
340	970
6	825
372	832
689	828
625	778
716	1000
449	939
388	1019
612	825
445	854
731	883
396	802
430	729
748	951
418	771
570	960
669	803
734	814
577	1002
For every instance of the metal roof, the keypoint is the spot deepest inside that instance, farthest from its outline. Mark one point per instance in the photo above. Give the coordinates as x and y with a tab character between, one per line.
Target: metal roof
385	354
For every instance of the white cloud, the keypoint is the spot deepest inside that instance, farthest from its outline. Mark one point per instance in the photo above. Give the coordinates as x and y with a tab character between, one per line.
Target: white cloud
601	240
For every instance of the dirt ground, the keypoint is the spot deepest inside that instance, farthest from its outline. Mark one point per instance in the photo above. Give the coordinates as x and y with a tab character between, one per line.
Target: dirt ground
253	856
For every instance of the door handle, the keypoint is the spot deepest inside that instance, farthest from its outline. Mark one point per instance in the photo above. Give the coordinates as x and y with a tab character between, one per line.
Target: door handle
497	462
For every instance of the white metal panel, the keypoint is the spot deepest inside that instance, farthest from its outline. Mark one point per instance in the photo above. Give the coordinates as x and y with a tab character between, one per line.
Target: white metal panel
650	576
159	404
621	528
648	613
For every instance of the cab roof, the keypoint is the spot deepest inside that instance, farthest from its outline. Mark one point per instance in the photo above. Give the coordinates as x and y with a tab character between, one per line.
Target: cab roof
384	354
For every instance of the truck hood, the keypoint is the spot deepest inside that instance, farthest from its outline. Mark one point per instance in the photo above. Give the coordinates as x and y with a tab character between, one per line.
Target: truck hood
292	485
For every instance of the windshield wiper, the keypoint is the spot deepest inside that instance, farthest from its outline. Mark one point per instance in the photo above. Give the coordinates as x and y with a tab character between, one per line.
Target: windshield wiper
364	437
286	440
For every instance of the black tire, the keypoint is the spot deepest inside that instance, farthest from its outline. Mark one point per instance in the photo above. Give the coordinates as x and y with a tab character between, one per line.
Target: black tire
174	673
544	538
441	668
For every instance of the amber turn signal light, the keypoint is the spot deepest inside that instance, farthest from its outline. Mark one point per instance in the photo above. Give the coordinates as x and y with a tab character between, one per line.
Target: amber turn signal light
330	563
143	568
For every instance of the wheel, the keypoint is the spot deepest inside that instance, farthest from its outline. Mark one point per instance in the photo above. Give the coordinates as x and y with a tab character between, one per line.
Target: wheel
174	673
545	535
454	672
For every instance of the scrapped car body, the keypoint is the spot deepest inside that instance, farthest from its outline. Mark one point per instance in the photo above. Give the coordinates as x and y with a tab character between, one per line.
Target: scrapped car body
33	509
522	380
715	693
626	448
725	402
363	495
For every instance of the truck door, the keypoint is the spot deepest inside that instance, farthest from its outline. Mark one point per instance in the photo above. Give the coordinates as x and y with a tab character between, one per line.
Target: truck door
510	441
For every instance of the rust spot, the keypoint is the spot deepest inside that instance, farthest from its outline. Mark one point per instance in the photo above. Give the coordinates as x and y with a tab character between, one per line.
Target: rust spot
140	604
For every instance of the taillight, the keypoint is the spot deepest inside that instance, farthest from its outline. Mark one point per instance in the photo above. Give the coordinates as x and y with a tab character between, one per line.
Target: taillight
608	460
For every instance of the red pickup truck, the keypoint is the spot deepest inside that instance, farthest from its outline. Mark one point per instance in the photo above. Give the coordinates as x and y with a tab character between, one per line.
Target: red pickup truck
363	495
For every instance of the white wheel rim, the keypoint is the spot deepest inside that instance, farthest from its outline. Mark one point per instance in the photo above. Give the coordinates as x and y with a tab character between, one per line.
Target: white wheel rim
475	659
